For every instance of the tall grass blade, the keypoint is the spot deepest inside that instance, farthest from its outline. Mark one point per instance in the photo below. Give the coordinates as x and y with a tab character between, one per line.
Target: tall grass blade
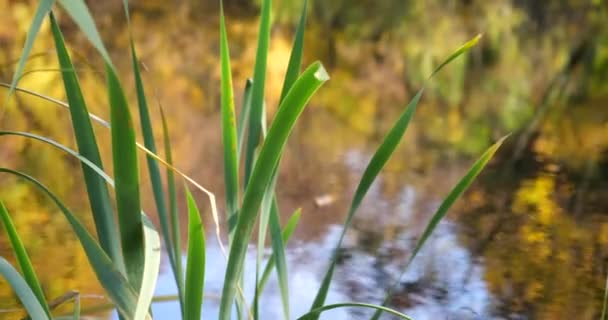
278	249
78	10
314	314
454	194
63	148
173	211
99	197
464	48
229	137
257	90
244	115
286	234
154	171
23	291
116	285
23	259
126	176
297	51
281	127
151	269
379	159
44	7
195	269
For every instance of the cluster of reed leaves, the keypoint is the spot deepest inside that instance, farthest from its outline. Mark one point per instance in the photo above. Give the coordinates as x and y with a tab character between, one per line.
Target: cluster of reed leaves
126	255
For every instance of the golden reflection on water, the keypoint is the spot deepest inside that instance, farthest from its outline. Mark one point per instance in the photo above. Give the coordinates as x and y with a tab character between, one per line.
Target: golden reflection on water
543	256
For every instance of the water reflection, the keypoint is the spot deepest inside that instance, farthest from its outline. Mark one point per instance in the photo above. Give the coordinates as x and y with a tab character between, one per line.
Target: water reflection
444	282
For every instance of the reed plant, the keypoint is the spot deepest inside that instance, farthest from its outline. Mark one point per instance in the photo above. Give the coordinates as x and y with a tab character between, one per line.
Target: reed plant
126	255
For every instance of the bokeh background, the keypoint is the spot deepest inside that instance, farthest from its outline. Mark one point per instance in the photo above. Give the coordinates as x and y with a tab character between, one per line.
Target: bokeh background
528	241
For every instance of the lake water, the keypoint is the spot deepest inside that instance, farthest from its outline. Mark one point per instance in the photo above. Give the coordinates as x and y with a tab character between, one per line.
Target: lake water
528	241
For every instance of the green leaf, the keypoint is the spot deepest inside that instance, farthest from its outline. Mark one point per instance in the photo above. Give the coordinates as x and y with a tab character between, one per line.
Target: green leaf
464	48
22	290
244	115
44	7
278	249
173	210
154	173
379	159
229	140
456	192
288	230
195	269
314	314
271	150
22	259
78	10
257	91
151	269
126	176
297	51
114	283
99	197
59	146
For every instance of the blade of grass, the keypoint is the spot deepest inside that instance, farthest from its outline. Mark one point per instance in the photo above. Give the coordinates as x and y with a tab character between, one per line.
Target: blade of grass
379	159
116	285
454	194
99	197
151	237
281	127
297	51
150	271
229	140
195	269
126	175
464	48
314	314
23	291
244	115
257	90
154	172
124	152
173	210
278	249
78	10
44	7
23	259
288	230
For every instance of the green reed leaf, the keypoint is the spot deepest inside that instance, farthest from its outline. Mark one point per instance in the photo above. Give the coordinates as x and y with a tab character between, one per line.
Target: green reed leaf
286	234
126	175
116	285
379	159
454	194
99	197
314	314
195	269
44	7
173	210
23	291
23	259
271	150
244	115
297	51
229	131
257	90
78	10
